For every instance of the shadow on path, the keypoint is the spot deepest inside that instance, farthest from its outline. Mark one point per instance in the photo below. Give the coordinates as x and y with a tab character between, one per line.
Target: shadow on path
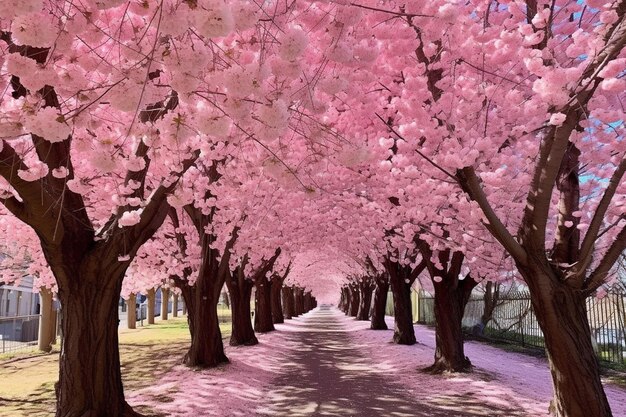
329	376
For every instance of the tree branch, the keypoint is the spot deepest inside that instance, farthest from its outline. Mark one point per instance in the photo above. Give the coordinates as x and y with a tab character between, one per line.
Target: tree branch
470	183
599	275
586	249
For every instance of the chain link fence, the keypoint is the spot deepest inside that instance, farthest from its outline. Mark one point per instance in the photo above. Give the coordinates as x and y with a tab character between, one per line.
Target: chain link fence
513	320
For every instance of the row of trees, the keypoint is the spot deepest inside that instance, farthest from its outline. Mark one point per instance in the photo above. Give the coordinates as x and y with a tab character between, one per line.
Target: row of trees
185	141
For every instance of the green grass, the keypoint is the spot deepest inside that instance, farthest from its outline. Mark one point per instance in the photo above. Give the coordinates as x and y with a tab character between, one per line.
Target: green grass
146	353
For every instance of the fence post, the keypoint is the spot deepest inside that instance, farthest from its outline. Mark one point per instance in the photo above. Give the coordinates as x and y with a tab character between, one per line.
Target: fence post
520	325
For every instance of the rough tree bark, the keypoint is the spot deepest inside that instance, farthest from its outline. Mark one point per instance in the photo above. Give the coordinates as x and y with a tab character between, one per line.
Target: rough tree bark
308	302
347	307
562	315
207	348
298	301
366	287
276	282
355	299
288	302
342	300
277	305
240	290
450	302
451	297
380	303
263	322
401	277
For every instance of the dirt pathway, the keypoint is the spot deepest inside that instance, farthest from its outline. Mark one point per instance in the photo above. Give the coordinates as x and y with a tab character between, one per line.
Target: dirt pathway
329	376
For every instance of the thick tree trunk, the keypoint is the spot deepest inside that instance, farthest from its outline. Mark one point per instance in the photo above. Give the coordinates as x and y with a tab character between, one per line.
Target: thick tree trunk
206	349
263	307
90	381
131	313
165	301
562	315
403	332
342	300
308	302
365	301
240	294
47	320
299	301
288	302
451	296
277	307
151	305
380	304
355	299
175	305
347	307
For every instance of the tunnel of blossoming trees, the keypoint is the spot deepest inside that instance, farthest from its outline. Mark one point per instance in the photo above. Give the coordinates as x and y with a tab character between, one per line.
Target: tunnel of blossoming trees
307	152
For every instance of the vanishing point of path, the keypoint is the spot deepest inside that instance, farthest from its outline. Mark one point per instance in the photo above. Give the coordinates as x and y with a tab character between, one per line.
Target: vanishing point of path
329	376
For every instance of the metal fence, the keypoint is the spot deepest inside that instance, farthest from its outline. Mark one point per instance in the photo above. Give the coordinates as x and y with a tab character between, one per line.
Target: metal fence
514	320
18	332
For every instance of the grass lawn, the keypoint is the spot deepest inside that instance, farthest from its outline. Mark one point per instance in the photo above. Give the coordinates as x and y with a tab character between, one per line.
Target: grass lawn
28	377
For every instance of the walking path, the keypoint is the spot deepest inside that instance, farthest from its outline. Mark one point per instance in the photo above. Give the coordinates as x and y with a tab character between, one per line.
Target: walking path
331	377
326	364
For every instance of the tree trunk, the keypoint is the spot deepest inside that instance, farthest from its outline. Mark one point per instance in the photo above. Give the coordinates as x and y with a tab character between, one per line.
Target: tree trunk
151	305
90	381
240	291
131	313
451	297
165	301
403	332
299	301
206	349
490	301
288	302
355	299
365	301
562	315
175	305
308	302
47	320
277	308
348	301
343	300
263	307
380	304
